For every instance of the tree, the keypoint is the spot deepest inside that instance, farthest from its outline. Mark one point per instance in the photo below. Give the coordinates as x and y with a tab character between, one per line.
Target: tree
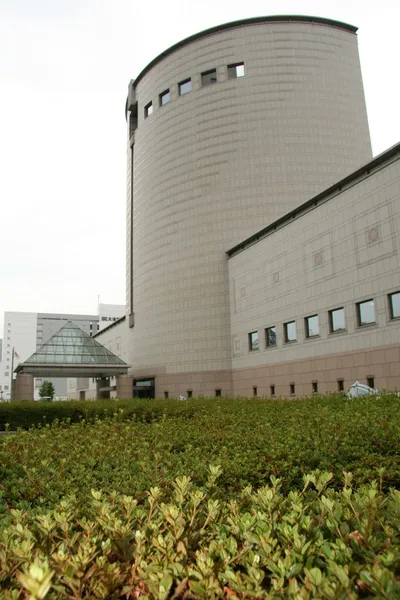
46	391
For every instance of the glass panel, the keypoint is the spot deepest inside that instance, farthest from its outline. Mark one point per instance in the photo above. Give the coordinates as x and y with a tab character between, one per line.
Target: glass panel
270	336
209	77
165	97
337	319
290	331
185	87
236	70
312	326
253	341
395	305
366	312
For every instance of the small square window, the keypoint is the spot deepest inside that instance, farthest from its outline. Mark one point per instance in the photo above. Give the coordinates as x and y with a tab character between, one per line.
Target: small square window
366	313
148	110
236	70
371	382
312	326
185	87
292	388
254	391
270	337
272	390
6	387
253	341
218	393
166	395
314	386
336	320
340	385
394	305
6	374
290	331
189	394
165	97
209	77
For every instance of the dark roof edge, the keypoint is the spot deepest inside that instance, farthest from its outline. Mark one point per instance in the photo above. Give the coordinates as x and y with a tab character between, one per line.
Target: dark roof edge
109	326
241	23
313	202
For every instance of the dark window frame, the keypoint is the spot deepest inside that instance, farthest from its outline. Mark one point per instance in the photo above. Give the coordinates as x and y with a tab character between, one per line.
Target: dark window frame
330	318
209	82
267	343
292	387
232	70
340	385
285	332
162	95
218	393
358	309
391	314
307	327
252	347
314	385
272	389
147	111
182	83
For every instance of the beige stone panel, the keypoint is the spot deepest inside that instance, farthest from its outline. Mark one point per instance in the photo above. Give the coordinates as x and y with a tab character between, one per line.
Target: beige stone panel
212	166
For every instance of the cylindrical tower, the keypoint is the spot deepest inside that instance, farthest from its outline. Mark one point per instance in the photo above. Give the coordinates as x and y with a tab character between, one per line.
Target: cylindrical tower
228	130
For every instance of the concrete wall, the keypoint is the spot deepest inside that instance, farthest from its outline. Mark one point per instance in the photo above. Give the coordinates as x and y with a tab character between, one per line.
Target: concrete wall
339	253
214	165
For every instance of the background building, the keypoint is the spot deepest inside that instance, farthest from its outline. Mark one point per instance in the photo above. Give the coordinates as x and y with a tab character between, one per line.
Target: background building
24	332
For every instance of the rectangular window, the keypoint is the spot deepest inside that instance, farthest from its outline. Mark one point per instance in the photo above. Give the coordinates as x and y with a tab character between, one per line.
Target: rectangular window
254	391
272	390
165	97
270	337
289	330
312	326
6	374
336	320
236	70
394	305
148	110
340	385
209	77
166	395
292	388
366	313
371	382
253	341
315	386
218	393
185	87
189	394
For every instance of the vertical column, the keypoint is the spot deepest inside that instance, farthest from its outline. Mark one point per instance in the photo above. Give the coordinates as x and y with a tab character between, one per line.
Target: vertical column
22	387
124	386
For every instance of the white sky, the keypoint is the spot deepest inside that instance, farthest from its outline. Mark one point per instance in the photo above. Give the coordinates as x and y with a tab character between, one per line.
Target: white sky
64	70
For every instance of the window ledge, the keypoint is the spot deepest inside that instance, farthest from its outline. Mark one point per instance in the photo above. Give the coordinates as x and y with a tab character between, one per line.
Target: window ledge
312	337
367	326
291	342
338	332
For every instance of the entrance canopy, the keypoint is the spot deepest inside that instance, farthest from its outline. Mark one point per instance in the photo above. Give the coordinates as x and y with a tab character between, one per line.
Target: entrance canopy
72	353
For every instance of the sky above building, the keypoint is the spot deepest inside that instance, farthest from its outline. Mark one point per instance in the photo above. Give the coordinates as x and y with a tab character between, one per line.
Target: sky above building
64	71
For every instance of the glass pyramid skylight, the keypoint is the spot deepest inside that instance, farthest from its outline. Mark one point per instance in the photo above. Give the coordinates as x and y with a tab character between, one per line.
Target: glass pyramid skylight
72	346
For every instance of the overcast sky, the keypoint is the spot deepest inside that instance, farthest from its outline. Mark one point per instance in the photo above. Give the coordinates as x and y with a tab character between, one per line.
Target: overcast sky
64	70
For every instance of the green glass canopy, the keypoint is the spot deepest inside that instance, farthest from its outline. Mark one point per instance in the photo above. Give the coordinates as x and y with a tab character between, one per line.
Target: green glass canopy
71	349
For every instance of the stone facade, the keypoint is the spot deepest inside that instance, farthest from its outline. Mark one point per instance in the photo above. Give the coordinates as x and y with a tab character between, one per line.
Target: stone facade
209	167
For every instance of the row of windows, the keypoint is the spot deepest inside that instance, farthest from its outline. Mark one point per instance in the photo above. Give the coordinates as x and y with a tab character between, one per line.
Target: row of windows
189	394
184	87
365	316
370	381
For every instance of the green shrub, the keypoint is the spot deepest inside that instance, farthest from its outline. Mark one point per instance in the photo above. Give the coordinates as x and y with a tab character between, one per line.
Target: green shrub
315	543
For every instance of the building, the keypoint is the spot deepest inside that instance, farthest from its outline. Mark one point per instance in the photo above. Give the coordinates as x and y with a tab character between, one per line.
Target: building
24	332
261	234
